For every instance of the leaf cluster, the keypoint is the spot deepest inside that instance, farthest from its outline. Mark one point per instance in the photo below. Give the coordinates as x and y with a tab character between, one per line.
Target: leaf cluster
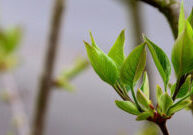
123	73
9	41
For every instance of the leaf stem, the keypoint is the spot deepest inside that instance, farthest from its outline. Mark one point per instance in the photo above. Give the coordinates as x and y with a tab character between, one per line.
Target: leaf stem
121	94
135	99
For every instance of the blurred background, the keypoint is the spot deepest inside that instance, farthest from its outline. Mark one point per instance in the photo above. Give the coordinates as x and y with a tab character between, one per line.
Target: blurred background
90	110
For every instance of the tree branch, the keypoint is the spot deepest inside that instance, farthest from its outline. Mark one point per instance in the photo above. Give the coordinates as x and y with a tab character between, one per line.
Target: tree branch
17	106
170	10
46	80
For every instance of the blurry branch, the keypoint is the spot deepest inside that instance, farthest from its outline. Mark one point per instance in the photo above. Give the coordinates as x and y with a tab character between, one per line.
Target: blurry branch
46	80
12	96
63	80
171	9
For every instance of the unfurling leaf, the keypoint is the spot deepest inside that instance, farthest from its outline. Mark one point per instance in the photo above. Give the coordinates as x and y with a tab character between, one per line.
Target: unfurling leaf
117	51
13	39
161	60
172	89
159	92
184	88
165	102
143	100
182	53
190	18
103	65
127	106
145	85
181	22
179	106
134	65
144	116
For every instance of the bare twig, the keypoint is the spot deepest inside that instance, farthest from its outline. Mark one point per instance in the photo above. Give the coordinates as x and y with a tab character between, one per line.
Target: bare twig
46	81
17	106
170	10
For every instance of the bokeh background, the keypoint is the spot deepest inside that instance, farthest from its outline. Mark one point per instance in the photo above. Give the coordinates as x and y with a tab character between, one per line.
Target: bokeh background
90	110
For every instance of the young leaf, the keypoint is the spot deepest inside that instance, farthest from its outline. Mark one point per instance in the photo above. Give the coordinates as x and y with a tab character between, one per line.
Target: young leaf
184	88
165	102
181	22
190	18
117	51
144	116
103	65
127	106
172	89
179	106
161	60
145	85
159	92
143	100
134	65
13	38
182	52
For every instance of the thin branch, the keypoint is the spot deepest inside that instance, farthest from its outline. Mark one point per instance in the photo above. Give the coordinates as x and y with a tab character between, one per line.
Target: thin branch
17	106
163	128
170	10
46	80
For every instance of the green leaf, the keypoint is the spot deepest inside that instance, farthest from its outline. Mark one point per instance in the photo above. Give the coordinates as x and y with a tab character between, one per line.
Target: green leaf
134	65
145	85
159	92
181	22
173	89
165	102
127	106
179	106
144	116
182	52
103	65
161	60
190	18
184	88
143	100
117	51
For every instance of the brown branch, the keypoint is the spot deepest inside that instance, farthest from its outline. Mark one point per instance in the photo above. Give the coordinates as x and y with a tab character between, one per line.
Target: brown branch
46	80
163	128
171	12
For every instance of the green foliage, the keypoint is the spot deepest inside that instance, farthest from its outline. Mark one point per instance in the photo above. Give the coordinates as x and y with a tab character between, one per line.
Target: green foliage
185	87
143	100
165	102
127	106
63	80
9	41
181	105
145	85
159	92
181	22
117	51
144	116
103	65
182	53
134	65
161	60
123	73
190	18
